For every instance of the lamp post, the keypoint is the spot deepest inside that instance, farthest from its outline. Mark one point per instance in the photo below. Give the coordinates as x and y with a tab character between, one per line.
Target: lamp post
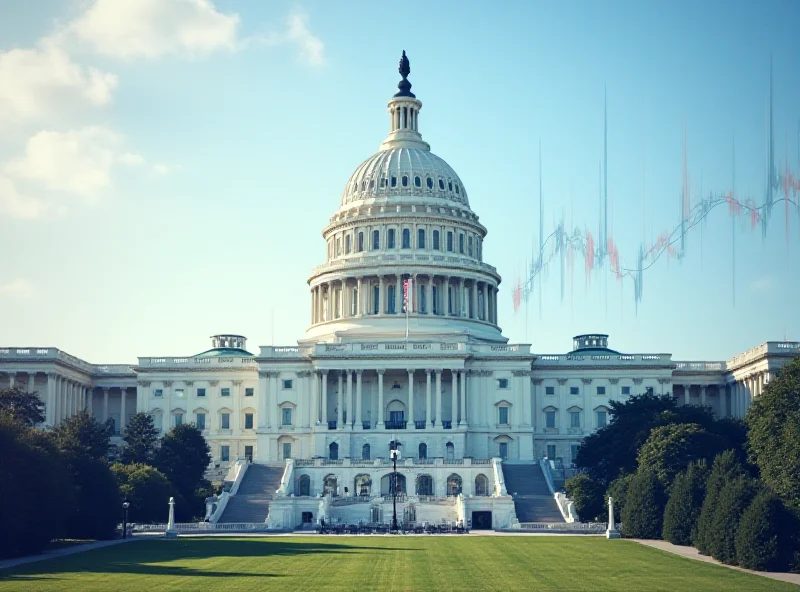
125	506
394	454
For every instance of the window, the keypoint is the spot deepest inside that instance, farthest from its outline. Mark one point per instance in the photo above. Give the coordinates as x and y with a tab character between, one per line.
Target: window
461	243
429	183
450	241
450	186
304	485
481	485
441	184
225	392
406	238
201	392
626	390
158	393
224	453
248	453
158	421
550	419
287	450
420	238
422	451
333	451
287	383
248	421
360	242
602	419
201	421
376	299
503	450
601	390
286	416
178	419
225	421
435	240
179	392
417	182
347	245
365	452
551	451
338	246
573	449
575	419
435	300
248	392
469	246
376	240
549	390
405	180
394	181
392	299
574	390
390	239
383	182
503	415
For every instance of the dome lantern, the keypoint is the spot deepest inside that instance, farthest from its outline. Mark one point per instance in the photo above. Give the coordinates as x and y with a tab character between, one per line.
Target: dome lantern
404	110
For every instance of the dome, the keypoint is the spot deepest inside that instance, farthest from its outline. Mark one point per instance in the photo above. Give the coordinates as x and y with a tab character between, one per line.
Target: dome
404	171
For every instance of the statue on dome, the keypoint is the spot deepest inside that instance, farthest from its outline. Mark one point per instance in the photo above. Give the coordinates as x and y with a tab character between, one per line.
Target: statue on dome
404	85
405	66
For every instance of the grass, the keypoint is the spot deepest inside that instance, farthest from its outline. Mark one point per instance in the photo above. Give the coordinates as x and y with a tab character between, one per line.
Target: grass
468	563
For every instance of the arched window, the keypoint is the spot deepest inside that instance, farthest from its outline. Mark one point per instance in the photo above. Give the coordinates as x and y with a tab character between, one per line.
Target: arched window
333	451
338	246
392	299
450	241
347	245
394	181
456	188
450	451
361	242
441	184
383	182
424	485
390	239
376	300
331	485
435	300
406	238
435	240
405	180
469	246
461	243
362	485
453	485
429	183
450	185
303	486
423	451
372	184
417	182
481	485
365	452
420	238
376	240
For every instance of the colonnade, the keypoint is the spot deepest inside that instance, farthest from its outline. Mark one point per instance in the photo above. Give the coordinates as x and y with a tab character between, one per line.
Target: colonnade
745	390
382	295
349	400
63	396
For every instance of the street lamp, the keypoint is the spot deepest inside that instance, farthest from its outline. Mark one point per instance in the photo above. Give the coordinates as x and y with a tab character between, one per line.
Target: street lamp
125	506
394	454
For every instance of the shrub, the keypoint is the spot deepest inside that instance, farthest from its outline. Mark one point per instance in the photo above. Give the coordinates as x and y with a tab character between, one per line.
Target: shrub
733	501
587	496
671	448
643	512
98	507
618	490
146	489
684	505
767	539
724	468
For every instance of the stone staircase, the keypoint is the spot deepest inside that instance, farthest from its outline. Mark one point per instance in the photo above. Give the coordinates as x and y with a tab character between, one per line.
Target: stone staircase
251	502
532	498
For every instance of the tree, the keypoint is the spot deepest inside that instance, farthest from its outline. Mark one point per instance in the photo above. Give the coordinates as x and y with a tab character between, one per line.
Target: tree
643	512
587	496
618	490
774	435
27	407
612	450
767	536
141	437
82	435
35	489
98	508
146	489
671	448
734	498
684	504
183	458
725	468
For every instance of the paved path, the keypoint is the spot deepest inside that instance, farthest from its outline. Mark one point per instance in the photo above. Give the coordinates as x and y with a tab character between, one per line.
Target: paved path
71	550
693	553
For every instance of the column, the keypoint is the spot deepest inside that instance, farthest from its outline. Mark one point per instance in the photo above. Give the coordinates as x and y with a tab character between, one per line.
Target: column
273	401
454	399
380	398
50	417
122	410
485	302
463	376
349	402
31	381
57	399
473	309
462	292
359	416
428	398
382	299
314	412
12	376
329	307
687	394
68	399
703	395
526	399
359	299
89	402
324	402
105	404
340	404
263	393
438	416
411	399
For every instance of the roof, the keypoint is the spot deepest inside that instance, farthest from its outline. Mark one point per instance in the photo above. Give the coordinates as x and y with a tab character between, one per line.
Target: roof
594	351
219	352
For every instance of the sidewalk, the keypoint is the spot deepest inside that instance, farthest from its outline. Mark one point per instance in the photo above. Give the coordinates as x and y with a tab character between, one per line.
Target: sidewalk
6	563
692	553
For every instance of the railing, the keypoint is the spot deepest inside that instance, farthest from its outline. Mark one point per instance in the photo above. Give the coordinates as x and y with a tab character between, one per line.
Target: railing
499	478
331	425
396	425
235	476
350	501
419	425
593	527
437	261
365	425
700	366
187	527
232	361
286	485
546	359
770	347
447	424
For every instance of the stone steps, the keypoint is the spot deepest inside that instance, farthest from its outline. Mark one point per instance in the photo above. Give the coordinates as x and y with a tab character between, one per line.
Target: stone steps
252	500
533	501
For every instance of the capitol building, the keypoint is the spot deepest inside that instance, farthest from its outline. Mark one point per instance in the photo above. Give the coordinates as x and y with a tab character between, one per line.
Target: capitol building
403	344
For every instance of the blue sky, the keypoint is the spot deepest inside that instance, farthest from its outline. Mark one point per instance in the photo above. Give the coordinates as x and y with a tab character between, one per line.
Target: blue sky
166	168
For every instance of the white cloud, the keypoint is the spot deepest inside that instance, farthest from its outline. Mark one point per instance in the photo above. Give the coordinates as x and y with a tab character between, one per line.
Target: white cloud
162	169
131	159
311	48
77	162
39	83
131	29
19	287
16	205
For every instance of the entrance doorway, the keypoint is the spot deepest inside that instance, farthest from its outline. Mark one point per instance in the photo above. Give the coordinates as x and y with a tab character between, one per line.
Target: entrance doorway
481	521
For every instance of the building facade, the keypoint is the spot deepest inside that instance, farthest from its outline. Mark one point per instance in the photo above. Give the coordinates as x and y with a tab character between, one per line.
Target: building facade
403	344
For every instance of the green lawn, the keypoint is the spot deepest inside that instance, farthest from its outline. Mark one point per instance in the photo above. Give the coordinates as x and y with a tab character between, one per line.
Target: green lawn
467	563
